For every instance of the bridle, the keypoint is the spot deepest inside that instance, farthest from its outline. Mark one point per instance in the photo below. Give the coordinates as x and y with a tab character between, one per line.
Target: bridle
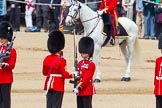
75	20
77	11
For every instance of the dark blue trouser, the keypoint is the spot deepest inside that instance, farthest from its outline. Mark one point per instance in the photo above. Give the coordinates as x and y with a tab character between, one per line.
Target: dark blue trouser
42	11
15	18
54	18
1	18
5	95
54	99
158	101
84	101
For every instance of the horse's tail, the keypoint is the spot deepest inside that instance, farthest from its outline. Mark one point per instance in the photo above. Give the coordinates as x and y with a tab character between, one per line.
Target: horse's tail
137	53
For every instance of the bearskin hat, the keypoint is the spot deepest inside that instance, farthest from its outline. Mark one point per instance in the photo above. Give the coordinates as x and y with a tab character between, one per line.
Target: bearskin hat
56	41
6	30
86	45
160	41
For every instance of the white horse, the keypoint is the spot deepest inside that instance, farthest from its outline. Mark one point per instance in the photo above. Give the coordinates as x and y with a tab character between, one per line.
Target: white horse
93	25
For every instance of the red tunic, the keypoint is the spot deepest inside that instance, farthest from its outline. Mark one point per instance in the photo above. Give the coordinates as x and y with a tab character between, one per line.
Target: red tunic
6	73
86	70
111	5
58	70
158	74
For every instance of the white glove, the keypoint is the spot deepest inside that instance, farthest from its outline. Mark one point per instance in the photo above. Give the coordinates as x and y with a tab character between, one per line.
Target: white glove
3	65
76	90
100	12
76	73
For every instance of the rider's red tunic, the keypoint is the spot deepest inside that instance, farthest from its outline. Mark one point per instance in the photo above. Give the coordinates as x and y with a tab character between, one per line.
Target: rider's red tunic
111	5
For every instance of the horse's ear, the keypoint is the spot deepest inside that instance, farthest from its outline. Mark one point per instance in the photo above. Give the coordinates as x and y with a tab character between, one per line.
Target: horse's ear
79	6
74	1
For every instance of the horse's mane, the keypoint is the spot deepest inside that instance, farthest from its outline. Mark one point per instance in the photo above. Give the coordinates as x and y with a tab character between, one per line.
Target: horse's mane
85	7
88	12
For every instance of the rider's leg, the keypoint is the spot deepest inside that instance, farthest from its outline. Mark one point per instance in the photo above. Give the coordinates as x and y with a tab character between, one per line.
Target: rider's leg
107	30
113	31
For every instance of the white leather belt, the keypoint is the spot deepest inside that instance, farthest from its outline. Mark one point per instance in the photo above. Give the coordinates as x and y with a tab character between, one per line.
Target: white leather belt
55	75
50	79
158	77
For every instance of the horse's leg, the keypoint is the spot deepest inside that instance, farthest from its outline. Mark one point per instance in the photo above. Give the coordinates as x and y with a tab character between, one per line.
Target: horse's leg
97	62
127	57
131	43
130	58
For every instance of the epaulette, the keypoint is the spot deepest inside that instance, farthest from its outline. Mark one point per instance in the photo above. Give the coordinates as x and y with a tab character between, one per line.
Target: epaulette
91	60
61	57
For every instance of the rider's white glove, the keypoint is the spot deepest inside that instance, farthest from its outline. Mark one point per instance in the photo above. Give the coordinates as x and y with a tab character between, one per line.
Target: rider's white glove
100	12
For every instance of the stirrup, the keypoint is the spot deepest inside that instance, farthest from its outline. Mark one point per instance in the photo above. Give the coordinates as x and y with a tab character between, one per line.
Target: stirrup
112	42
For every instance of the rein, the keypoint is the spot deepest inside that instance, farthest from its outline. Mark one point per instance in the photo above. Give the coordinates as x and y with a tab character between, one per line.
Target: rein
90	19
94	27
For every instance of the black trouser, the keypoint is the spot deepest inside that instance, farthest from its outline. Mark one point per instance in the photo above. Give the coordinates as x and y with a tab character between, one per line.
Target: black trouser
54	99
84	101
42	11
1	18
109	32
54	18
158	101
5	95
15	18
158	29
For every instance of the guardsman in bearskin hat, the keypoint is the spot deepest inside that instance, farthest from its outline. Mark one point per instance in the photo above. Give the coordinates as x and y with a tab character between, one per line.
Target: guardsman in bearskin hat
7	63
54	68
86	68
158	77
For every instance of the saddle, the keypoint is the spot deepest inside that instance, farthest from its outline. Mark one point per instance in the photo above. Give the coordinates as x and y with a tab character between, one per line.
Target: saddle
120	33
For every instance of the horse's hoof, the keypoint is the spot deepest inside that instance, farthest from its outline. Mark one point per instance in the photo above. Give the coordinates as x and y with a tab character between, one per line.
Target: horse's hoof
126	79
97	81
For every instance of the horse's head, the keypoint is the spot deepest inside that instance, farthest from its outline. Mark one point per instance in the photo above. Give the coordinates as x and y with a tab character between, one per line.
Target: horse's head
74	13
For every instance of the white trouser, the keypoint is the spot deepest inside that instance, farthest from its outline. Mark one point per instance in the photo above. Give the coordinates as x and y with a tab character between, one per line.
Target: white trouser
130	12
28	16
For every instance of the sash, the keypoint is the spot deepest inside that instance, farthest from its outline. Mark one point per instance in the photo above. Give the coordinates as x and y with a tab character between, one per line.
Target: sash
51	75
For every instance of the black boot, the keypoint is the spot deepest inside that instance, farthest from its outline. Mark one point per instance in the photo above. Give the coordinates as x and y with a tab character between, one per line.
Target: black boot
112	42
